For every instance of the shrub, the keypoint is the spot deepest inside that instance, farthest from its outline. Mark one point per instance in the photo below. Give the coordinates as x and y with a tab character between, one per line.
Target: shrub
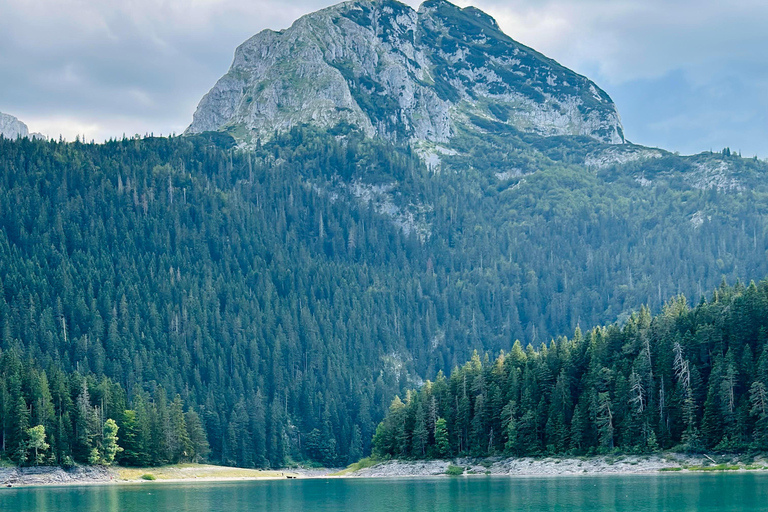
454	470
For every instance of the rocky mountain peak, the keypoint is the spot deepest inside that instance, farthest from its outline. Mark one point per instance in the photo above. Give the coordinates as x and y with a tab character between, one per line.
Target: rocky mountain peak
12	128
404	75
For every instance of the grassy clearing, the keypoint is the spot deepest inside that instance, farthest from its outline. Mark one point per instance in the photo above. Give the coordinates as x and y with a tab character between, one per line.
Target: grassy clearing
195	471
357	466
671	469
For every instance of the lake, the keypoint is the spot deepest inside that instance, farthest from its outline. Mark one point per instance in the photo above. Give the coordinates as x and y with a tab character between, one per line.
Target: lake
679	492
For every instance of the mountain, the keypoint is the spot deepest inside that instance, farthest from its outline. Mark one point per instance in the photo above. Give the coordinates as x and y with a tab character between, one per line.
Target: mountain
287	281
402	75
11	128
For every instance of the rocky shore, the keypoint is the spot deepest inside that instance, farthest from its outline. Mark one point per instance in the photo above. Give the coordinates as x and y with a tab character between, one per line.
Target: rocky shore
492	466
11	477
554	466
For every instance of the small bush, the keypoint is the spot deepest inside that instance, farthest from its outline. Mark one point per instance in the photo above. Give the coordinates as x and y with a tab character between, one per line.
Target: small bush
148	476
367	462
454	470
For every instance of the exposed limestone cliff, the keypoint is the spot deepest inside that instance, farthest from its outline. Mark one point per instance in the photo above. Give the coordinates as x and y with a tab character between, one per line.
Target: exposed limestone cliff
403	75
11	128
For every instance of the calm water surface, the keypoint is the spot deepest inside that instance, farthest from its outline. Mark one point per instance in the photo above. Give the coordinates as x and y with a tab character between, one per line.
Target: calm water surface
721	492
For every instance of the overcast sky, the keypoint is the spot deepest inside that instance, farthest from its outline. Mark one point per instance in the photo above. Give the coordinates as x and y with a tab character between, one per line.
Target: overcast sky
687	75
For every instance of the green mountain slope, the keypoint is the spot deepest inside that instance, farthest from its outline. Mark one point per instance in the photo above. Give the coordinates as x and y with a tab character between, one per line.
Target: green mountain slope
688	378
287	293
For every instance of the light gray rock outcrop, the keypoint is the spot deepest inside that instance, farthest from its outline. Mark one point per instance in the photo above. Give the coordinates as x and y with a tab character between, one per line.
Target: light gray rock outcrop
12	128
404	75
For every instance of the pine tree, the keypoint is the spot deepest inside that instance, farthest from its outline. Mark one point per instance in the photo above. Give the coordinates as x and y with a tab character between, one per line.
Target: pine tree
180	446
759	401
197	439
21	429
129	439
420	433
356	448
442	442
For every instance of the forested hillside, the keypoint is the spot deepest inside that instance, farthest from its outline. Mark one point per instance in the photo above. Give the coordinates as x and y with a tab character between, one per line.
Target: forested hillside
691	378
53	418
288	292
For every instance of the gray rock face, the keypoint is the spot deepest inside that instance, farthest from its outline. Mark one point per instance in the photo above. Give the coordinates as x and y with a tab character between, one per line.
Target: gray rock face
11	128
417	76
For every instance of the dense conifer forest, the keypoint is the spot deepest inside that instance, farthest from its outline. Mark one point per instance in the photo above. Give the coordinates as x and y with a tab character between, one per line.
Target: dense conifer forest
689	378
254	308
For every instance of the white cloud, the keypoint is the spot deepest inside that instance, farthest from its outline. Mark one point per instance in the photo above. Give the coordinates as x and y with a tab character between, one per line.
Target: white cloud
635	39
147	63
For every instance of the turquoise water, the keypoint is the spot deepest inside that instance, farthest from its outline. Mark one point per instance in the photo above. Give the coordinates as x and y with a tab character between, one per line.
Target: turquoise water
710	492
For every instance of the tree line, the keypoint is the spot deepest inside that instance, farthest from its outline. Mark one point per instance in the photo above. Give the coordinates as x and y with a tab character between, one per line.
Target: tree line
688	378
68	419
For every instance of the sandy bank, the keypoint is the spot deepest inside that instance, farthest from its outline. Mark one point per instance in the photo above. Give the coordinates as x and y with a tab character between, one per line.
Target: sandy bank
87	475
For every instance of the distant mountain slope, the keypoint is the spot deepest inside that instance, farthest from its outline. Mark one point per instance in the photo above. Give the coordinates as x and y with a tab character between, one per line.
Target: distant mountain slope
401	75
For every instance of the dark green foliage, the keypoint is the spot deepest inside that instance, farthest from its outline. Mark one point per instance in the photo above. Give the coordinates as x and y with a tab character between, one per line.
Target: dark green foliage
85	420
442	443
630	387
286	313
220	277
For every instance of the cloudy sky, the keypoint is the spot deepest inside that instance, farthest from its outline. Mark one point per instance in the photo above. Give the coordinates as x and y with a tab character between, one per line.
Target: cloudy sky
687	75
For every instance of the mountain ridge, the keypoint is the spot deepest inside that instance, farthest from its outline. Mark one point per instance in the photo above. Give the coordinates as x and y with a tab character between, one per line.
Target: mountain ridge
405	75
11	127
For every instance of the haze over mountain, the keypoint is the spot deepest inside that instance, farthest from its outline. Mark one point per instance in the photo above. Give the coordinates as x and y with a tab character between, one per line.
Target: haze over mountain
319	242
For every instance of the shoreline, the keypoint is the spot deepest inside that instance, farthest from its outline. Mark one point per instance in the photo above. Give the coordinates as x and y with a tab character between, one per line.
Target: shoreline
562	466
618	465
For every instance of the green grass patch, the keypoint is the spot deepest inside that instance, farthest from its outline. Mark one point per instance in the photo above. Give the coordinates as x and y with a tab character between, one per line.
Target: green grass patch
671	469
148	476
367	462
454	470
718	467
